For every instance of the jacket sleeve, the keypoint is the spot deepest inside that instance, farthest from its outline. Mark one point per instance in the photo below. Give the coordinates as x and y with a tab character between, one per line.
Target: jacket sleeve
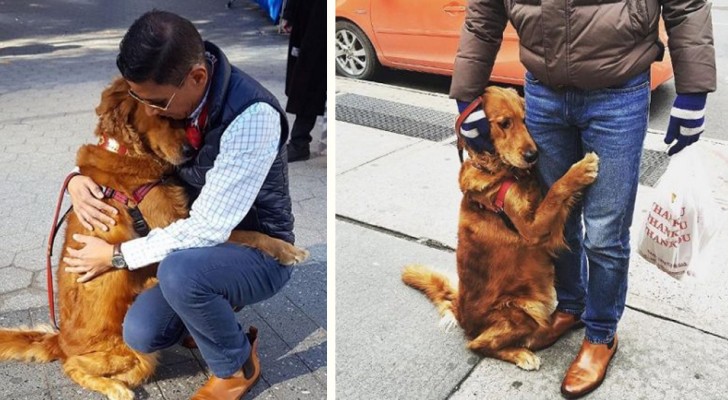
480	40
690	39
289	13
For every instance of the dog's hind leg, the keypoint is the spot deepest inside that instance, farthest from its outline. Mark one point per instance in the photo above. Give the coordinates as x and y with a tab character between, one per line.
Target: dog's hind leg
498	342
522	357
87	370
142	370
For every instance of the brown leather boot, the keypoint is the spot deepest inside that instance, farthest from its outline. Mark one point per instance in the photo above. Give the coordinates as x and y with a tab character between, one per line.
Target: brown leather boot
561	323
234	388
588	369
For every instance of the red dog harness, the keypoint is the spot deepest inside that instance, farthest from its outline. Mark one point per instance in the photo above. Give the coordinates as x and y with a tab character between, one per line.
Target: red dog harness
140	225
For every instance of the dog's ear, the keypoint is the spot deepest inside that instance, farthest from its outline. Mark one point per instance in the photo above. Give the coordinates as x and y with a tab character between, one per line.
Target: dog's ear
520	98
112	96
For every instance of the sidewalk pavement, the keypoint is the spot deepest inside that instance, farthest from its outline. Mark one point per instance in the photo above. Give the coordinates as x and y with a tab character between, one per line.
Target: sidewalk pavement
397	203
53	72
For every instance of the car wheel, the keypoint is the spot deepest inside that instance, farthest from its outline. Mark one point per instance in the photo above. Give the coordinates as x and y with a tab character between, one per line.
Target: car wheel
355	56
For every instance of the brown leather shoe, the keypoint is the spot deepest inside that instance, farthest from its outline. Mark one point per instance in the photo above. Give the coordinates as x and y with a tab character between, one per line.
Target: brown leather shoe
234	388
588	369
561	323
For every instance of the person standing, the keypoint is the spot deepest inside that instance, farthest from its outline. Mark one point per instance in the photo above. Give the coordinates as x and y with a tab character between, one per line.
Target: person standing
305	71
587	89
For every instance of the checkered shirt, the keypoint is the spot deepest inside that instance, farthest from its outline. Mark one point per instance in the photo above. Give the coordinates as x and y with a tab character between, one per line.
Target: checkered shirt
248	148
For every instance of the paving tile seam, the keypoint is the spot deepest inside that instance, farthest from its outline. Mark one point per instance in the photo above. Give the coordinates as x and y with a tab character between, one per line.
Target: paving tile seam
288	348
382	156
460	382
431	243
303	312
675	321
41	117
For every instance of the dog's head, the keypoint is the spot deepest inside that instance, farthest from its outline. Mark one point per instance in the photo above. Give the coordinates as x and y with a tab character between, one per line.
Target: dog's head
123	119
513	145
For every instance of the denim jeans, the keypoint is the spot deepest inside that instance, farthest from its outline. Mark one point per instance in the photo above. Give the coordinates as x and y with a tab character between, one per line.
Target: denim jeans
591	278
197	291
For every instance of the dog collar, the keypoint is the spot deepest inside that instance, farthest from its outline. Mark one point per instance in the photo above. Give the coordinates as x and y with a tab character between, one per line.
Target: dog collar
112	145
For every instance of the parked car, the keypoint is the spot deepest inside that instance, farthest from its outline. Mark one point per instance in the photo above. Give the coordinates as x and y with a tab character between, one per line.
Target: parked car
423	35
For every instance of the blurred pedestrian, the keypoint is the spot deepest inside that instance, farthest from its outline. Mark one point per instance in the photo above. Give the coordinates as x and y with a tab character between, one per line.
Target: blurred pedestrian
306	71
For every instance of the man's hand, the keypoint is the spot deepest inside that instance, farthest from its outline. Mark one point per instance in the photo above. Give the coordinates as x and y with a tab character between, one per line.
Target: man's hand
286	25
90	261
687	121
90	210
476	129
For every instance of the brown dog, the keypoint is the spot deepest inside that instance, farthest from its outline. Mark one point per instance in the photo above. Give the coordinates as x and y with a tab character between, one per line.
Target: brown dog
506	275
90	343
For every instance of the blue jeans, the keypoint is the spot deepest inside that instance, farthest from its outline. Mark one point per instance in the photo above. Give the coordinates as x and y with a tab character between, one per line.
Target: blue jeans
591	278
197	291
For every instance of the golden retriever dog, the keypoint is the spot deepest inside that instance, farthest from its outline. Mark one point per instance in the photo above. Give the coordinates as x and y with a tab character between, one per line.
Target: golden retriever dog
90	344
506	275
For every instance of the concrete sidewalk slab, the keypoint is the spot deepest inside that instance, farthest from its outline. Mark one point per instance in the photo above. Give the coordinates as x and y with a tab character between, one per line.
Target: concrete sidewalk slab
388	345
413	190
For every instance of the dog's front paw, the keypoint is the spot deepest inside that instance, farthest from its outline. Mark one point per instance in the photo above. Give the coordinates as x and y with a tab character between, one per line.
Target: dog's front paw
292	255
586	170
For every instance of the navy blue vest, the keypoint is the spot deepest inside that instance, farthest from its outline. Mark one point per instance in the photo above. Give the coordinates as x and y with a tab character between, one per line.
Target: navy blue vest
231	92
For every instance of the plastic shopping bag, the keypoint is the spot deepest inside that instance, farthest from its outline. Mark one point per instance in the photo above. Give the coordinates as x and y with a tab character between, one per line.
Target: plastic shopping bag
681	219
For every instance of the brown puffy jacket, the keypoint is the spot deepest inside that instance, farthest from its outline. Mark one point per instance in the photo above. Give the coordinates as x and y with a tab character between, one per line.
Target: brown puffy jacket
588	44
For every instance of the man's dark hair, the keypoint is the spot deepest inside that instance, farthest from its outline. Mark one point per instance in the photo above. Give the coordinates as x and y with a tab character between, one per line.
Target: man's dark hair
159	46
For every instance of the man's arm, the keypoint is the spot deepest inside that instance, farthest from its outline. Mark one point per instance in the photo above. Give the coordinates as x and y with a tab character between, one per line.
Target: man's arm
690	32
480	40
248	148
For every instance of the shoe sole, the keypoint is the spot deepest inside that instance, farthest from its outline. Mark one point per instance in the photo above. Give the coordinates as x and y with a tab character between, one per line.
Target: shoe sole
570	396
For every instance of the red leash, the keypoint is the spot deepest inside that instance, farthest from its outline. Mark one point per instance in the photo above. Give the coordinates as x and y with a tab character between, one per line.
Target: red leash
49	253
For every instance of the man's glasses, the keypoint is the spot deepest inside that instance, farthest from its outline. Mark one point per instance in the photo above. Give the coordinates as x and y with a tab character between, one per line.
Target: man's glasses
159	105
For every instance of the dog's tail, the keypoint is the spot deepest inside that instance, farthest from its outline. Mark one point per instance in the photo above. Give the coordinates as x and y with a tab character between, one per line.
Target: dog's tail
437	288
39	344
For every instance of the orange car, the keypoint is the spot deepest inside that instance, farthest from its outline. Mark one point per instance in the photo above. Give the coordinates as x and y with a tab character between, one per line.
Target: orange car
423	36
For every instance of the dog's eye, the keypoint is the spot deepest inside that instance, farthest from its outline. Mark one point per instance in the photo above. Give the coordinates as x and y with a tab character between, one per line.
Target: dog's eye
505	124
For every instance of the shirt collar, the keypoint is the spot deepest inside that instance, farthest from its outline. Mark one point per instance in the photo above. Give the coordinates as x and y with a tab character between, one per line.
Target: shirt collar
211	60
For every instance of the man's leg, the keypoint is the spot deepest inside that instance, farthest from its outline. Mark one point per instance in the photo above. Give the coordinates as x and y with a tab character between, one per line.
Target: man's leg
298	148
616	123
559	146
203	285
151	324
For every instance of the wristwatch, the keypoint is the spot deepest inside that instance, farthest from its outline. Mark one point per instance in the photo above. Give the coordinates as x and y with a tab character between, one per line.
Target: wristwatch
117	260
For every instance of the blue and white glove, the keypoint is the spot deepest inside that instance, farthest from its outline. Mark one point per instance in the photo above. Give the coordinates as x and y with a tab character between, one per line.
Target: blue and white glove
687	121
476	129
